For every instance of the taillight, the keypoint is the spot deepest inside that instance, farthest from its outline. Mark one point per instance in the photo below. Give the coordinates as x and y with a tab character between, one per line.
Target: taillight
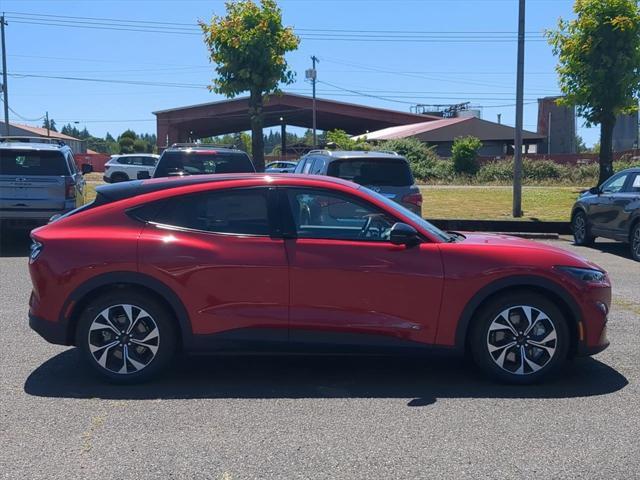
413	198
70	189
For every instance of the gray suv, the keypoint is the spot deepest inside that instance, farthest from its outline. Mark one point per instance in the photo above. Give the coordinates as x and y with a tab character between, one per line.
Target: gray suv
381	171
38	179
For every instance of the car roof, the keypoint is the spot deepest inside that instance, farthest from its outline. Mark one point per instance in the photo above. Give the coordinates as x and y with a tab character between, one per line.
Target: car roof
135	155
32	146
348	154
630	170
119	191
182	148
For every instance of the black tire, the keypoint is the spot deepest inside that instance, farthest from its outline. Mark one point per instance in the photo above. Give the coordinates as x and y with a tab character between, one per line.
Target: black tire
119	177
581	229
484	337
634	242
153	354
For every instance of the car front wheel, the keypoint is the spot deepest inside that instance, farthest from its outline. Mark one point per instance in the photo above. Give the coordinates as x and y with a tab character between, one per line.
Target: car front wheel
635	242
126	337
581	230
520	338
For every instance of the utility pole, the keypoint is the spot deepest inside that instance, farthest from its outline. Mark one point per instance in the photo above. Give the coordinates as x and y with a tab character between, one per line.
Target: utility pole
5	88
312	75
549	135
500	118
46	116
517	167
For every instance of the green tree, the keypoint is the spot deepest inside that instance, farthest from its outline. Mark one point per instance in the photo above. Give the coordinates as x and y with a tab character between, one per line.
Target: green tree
248	46
51	124
599	65
465	154
342	140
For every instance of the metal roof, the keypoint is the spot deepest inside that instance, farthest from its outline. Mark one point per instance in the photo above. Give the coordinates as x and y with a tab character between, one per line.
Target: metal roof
447	129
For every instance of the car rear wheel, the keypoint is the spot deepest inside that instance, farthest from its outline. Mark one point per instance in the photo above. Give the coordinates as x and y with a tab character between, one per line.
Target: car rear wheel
520	338
635	242
119	177
581	230
126	337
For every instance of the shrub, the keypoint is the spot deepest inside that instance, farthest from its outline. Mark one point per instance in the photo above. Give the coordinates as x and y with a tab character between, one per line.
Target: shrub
421	158
464	153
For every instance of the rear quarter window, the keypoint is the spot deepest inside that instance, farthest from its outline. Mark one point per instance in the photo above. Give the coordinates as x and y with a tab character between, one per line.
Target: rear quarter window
33	162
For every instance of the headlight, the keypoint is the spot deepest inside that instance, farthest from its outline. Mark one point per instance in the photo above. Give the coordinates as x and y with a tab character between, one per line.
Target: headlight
36	249
587	275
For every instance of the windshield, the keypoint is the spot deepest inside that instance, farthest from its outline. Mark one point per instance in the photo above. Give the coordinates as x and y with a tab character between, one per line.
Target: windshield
199	162
417	219
373	171
32	162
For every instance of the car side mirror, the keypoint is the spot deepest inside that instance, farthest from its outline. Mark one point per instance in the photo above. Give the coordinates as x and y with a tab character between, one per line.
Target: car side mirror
144	175
595	191
403	234
86	168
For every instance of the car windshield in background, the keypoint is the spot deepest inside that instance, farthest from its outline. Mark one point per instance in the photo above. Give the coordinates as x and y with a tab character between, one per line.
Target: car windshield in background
200	162
429	227
32	162
372	171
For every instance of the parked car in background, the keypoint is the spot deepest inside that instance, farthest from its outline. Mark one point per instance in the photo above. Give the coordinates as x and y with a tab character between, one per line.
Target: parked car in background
386	173
182	159
121	168
611	210
38	179
217	263
280	167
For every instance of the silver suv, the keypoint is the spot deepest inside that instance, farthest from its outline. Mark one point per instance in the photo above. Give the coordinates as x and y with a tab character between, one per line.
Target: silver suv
38	179
381	171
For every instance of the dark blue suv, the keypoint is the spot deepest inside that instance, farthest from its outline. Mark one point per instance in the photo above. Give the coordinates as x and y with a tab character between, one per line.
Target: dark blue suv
611	210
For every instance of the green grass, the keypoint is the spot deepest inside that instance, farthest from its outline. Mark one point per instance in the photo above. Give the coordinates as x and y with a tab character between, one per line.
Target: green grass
475	202
495	202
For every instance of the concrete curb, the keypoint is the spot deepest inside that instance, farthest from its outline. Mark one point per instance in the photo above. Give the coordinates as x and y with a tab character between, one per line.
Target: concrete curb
510	227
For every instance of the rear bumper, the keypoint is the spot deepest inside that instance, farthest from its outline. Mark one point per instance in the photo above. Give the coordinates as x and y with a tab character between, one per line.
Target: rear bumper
52	332
30	214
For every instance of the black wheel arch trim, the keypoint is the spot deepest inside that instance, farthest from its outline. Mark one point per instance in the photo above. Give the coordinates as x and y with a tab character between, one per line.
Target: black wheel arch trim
520	281
130	278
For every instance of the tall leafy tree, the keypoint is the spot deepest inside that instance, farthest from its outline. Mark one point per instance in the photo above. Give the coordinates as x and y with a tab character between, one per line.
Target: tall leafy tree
248	47
599	65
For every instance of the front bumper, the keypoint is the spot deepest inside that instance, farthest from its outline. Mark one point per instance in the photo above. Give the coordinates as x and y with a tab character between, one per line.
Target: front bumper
52	332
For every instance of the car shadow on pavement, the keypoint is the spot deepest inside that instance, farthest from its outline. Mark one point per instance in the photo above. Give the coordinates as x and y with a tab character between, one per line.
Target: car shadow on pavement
422	380
14	243
614	248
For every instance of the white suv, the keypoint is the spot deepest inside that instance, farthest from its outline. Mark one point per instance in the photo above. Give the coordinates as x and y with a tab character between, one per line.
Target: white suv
121	168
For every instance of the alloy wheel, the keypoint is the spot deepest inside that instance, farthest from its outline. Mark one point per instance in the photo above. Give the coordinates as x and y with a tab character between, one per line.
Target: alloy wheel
635	243
522	340
579	228
123	339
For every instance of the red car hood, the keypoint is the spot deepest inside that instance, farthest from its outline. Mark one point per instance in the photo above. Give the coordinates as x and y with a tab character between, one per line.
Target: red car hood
494	239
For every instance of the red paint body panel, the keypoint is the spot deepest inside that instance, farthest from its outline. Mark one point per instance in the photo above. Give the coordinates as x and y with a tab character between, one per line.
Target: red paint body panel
228	282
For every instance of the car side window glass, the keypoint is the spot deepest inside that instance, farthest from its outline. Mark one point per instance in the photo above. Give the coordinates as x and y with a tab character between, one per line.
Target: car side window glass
635	185
318	166
328	215
239	212
307	165
72	164
615	184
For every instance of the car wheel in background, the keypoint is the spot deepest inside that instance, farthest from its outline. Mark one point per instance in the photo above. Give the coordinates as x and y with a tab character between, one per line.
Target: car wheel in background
635	242
581	229
126	337
119	177
520	338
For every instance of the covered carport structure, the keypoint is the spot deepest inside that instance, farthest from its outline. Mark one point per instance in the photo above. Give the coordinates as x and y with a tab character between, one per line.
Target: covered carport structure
231	116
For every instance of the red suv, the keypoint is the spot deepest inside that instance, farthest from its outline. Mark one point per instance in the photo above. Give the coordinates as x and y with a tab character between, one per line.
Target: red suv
255	262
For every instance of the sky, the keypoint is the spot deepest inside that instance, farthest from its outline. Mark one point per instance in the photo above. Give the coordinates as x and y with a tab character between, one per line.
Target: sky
386	53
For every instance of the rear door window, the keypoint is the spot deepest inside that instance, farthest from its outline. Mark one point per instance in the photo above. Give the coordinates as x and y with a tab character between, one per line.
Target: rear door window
239	212
200	162
373	171
32	162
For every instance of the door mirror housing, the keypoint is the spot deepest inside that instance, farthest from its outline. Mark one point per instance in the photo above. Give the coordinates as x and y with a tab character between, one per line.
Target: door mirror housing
86	168
595	191
403	234
143	175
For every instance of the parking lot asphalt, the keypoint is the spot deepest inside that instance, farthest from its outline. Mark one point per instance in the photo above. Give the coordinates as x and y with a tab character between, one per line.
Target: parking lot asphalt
326	417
